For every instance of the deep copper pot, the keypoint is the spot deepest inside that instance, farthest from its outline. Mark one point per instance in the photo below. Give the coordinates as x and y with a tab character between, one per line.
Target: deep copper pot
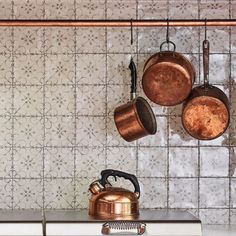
168	77
206	114
135	119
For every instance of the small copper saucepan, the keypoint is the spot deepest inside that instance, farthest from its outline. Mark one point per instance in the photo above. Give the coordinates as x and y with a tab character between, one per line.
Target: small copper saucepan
135	119
168	77
205	114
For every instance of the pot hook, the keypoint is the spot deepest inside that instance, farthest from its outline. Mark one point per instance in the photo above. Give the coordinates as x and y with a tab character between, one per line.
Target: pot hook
167	41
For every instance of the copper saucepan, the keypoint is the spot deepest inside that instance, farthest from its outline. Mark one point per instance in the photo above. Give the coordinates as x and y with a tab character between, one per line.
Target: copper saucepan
135	119
205	114
168	77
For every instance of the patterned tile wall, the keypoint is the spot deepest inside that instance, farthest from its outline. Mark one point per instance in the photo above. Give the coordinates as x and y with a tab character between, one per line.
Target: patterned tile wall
58	90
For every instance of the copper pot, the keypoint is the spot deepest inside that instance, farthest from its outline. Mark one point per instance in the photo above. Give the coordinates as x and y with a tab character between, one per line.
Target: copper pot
168	77
135	119
109	202
205	114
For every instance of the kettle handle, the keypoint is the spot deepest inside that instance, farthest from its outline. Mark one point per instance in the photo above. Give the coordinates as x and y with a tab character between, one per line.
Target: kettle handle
109	172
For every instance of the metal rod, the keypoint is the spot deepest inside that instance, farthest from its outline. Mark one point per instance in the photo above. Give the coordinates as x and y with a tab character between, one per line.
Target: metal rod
116	23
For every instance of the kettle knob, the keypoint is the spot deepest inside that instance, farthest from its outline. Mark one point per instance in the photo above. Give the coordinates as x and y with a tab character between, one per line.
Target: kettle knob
109	172
95	187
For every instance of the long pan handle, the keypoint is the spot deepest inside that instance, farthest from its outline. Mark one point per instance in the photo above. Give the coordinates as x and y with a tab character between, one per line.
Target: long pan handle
206	49
133	71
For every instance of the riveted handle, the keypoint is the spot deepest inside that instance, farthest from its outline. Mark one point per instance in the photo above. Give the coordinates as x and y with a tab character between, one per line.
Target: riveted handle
206	49
133	73
116	173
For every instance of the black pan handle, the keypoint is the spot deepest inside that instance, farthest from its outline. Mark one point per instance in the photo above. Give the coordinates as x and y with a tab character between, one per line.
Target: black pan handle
206	49
116	173
133	73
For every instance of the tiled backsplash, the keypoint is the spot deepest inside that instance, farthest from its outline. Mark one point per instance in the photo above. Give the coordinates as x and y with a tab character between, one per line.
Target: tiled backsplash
58	91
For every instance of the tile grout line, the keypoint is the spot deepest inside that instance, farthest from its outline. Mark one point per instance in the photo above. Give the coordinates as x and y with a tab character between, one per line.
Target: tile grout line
12	110
106	90
75	108
44	104
230	99
168	137
137	46
198	146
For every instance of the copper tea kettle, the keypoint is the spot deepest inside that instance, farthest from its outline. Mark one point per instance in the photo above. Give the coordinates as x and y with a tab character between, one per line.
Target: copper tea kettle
114	202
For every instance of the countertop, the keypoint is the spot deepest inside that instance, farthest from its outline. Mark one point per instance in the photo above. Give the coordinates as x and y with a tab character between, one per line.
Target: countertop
219	230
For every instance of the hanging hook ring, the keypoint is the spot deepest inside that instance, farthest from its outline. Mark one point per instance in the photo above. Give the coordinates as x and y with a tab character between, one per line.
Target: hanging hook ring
167	41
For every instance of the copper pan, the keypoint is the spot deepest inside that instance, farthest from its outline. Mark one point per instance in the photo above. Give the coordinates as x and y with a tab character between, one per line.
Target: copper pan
135	119
206	114
168	77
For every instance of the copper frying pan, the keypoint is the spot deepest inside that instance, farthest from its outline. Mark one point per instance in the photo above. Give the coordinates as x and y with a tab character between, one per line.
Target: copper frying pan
168	77
135	119
205	114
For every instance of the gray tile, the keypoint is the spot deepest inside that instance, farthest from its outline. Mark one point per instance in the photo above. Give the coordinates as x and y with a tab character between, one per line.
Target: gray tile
122	158
59	163
212	9
58	9
90	69
6	162
28	40
214	216
121	9
59	100
32	9
152	162
27	163
150	9
27	194
90	9
59	40
183	193
6	194
153	193
90	40
90	161
28	131
59	69
60	131
91	100
214	192
214	161
90	131
233	193
183	162
59	193
183	9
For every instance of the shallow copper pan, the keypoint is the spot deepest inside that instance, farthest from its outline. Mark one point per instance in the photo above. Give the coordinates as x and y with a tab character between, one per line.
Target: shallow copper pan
206	114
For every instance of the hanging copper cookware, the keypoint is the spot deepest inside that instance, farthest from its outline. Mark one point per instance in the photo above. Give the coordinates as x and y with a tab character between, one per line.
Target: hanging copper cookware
168	77
205	114
135	119
110	202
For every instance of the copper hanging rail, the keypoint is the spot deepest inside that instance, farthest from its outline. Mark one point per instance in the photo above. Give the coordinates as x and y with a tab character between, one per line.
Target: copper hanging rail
116	23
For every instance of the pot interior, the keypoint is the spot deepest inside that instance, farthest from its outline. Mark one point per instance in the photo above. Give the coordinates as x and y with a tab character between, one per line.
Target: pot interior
146	115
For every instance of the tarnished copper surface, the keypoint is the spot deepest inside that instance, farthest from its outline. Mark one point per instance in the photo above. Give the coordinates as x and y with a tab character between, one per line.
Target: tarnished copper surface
168	78
205	117
135	119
